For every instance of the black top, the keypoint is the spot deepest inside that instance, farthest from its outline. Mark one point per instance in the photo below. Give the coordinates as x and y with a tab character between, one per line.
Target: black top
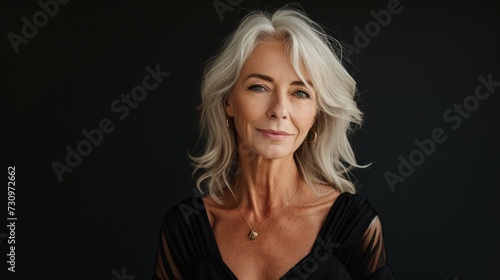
349	245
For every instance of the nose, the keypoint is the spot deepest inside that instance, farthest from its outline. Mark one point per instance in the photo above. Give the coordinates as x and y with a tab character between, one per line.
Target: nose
279	106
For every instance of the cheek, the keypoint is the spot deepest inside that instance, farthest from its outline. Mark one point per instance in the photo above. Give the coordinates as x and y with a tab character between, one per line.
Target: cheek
307	118
248	110
243	117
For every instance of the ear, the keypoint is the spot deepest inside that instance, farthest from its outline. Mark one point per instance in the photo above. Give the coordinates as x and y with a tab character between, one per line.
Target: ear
315	119
228	108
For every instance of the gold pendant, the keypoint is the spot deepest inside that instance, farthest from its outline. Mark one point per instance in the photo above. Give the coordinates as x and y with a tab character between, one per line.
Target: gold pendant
253	235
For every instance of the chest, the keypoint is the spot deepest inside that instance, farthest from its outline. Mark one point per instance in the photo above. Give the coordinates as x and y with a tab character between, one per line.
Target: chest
280	245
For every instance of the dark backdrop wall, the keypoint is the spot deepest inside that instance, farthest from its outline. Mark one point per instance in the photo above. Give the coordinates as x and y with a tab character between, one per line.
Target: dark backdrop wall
99	159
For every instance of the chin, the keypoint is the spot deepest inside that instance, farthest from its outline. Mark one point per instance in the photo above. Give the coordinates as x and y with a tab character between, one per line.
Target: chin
275	153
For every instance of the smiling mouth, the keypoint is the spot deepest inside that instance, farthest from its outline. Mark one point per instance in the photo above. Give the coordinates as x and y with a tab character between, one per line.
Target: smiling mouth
275	135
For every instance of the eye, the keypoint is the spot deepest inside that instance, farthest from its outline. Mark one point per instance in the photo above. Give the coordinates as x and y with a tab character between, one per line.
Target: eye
302	94
257	88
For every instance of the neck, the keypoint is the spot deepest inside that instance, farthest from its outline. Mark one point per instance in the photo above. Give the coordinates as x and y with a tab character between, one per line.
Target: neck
263	186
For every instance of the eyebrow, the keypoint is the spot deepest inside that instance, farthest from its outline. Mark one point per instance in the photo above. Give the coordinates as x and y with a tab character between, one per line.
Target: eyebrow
270	79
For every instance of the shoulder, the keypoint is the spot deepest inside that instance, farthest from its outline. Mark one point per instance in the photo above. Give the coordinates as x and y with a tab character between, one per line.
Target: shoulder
185	232
185	212
357	231
356	203
350	213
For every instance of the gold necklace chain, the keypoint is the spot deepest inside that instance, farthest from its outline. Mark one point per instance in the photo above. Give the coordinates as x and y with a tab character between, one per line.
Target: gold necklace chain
252	235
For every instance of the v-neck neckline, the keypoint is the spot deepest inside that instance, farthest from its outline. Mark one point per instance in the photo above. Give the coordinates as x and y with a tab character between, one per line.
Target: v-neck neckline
218	255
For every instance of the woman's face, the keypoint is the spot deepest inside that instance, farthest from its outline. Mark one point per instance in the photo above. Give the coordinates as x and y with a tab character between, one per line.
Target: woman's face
272	108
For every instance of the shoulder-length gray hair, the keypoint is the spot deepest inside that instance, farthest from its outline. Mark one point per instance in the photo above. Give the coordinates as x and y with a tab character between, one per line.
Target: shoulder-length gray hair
326	161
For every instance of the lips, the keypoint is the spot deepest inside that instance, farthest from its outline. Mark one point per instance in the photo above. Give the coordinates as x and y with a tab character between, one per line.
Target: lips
274	134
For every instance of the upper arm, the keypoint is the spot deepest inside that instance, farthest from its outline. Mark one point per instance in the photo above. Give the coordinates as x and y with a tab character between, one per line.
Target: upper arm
373	247
165	268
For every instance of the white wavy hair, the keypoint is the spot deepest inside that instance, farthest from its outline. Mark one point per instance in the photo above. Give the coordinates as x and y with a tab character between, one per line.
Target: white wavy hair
326	161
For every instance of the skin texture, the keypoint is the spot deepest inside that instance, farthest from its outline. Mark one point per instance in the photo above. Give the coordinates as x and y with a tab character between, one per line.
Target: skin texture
272	112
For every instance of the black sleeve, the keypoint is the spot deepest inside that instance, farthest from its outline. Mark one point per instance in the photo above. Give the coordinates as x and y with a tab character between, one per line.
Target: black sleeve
358	230
165	267
373	264
183	241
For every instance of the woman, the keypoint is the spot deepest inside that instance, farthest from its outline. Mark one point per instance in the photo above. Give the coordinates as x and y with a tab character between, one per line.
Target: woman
277	106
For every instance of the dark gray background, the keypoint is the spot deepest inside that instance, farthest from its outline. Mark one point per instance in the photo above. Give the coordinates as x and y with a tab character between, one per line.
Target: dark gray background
440	223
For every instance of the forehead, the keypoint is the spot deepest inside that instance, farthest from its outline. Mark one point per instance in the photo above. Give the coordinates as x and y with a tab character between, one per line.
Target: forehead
269	47
271	56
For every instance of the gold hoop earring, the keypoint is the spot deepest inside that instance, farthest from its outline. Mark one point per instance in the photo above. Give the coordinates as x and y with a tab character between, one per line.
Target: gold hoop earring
314	138
227	121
